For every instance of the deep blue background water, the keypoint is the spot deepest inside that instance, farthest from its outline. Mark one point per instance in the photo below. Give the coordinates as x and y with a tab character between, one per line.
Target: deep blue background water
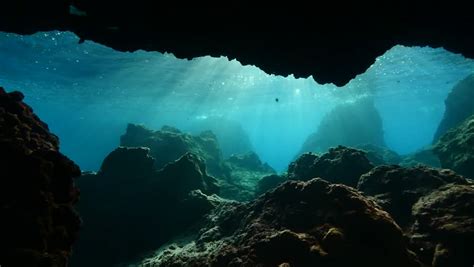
87	93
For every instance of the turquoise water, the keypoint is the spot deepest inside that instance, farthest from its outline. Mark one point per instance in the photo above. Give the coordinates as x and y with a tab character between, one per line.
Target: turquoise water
87	93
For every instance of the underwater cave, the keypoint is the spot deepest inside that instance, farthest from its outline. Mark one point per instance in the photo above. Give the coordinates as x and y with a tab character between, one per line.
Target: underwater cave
124	144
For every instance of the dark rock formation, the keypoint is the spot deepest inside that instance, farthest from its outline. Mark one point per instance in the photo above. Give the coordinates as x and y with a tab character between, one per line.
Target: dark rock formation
333	43
459	106
129	208
168	144
339	165
38	224
455	149
311	223
246	170
231	136
347	124
396	189
422	157
379	155
269	182
444	226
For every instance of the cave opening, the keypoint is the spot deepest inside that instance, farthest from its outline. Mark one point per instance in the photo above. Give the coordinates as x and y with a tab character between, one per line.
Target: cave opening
88	93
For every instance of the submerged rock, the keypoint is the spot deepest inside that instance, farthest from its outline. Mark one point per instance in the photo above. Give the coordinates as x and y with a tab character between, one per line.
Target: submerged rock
456	148
380	155
129	208
339	165
269	182
459	106
168	144
246	170
38	224
231	136
444	226
311	223
396	188
349	125
424	156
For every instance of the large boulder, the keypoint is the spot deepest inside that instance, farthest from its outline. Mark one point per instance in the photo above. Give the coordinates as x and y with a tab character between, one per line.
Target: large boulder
269	182
396	188
458	106
311	223
339	165
129	208
444	227
424	156
455	149
38	224
168	144
349	125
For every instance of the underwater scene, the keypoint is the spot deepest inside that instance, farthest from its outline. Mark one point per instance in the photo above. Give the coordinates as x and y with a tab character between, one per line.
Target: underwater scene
208	162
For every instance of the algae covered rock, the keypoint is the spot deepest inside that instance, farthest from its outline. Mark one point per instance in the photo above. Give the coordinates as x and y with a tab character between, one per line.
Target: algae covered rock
444	226
396	188
38	224
379	155
459	106
348	125
424	156
311	223
130	208
168	144
269	182
339	165
455	149
246	170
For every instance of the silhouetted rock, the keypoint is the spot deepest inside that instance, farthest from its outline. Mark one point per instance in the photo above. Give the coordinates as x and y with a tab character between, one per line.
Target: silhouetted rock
379	155
311	223
129	208
459	106
168	144
444	226
246	170
455	149
269	182
38	224
231	136
348	125
396	188
339	165
422	157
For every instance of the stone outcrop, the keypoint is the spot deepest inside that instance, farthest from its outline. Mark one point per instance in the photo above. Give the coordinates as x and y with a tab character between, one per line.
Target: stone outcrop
38	224
455	149
458	106
339	165
168	144
444	226
129	208
351	124
246	170
424	156
379	155
269	182
311	223
396	189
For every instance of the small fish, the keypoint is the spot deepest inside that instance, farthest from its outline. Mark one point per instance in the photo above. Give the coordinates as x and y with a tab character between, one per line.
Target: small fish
276	100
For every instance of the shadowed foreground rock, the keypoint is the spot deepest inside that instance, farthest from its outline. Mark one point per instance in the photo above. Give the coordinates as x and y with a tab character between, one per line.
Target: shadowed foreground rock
444	226
129	208
396	188
339	165
38	224
456	148
311	223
